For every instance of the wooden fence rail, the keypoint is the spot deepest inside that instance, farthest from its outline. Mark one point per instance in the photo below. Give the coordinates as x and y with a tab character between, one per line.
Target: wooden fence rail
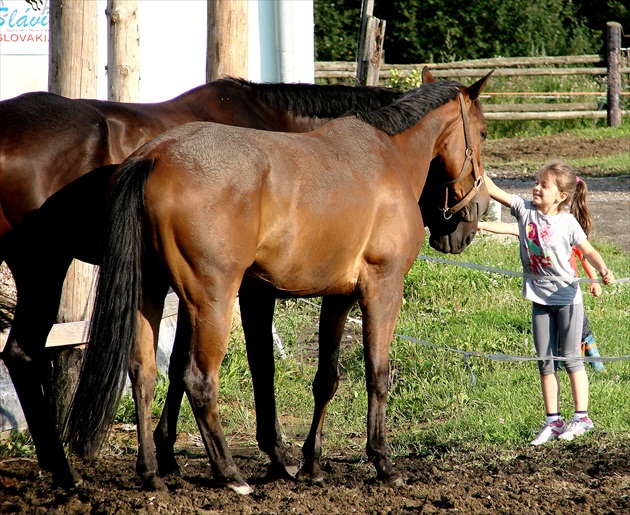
511	67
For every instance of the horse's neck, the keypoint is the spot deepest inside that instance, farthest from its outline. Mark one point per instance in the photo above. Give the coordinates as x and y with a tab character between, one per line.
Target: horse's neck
417	147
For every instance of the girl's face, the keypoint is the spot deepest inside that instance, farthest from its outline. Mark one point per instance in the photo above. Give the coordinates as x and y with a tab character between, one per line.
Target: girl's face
546	195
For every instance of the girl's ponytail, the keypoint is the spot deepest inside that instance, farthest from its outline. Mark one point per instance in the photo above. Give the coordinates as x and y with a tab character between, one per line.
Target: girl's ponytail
579	208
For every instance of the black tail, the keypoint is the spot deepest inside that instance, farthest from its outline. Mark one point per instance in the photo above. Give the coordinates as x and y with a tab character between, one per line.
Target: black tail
114	322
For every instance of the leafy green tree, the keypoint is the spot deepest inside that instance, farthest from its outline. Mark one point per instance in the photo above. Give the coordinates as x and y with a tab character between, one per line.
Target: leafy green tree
337	25
446	30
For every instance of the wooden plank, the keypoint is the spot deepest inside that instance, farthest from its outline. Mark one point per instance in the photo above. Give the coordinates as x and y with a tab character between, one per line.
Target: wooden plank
498	62
558	115
546	94
476	72
508	72
563	106
76	333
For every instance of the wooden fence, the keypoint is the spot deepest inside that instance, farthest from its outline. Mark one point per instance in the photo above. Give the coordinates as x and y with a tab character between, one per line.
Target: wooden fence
564	107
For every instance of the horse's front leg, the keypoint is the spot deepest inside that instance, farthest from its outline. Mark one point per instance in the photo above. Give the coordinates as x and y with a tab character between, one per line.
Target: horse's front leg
333	316
39	288
380	309
143	375
257	317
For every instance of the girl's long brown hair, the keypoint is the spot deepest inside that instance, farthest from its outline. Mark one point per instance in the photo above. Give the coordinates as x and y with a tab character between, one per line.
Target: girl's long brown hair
568	182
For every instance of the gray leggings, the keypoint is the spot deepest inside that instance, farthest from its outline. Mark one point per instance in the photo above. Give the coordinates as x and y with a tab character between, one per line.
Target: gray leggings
557	332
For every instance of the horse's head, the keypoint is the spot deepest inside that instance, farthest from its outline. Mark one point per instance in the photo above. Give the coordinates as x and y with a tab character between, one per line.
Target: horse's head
455	197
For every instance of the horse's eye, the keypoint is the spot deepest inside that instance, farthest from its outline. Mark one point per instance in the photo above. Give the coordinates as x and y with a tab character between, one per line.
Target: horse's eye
484	135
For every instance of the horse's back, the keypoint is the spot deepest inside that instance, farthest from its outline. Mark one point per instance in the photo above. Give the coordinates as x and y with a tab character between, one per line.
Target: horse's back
47	141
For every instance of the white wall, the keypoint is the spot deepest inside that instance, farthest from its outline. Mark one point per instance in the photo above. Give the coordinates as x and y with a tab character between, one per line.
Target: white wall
172	45
23	49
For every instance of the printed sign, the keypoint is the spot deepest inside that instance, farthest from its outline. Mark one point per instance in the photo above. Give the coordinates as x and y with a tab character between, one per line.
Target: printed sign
24	27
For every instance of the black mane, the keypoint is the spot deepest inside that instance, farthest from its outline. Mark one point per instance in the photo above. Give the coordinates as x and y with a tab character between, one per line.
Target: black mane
322	101
406	111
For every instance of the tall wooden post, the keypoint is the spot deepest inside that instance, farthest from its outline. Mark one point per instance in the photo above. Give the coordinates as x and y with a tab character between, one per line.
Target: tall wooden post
227	39
123	51
73	54
370	46
614	73
72	73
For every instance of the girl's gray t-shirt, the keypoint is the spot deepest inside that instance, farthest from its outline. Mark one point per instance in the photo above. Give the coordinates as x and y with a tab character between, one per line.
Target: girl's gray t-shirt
545	246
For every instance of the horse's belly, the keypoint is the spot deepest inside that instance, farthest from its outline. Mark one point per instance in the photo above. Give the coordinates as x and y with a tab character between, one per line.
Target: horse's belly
307	276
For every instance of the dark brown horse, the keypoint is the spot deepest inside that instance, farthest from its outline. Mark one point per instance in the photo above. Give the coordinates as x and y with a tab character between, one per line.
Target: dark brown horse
47	141
211	210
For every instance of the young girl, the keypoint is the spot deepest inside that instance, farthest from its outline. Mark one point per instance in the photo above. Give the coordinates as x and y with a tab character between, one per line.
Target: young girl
547	234
588	345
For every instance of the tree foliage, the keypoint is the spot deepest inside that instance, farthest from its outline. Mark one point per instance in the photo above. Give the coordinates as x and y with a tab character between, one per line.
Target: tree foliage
446	30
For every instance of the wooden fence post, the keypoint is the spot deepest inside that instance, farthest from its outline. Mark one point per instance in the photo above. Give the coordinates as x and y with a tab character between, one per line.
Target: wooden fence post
370	46
123	51
72	73
614	74
227	39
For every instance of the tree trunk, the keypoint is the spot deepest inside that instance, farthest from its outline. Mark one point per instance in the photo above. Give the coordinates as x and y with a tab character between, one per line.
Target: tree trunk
227	39
123	51
72	73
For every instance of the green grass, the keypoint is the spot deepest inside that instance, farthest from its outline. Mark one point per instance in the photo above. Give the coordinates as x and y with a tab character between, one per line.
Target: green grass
438	398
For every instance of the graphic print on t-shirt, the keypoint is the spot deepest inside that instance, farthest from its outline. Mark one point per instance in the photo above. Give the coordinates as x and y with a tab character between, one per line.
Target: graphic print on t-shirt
537	260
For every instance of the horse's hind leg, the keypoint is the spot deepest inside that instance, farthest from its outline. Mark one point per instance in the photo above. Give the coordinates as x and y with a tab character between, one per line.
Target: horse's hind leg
334	312
39	290
165	434
143	374
210	323
257	316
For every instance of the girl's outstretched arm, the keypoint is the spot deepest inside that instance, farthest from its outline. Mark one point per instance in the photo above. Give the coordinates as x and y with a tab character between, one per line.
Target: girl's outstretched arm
497	193
499	228
595	259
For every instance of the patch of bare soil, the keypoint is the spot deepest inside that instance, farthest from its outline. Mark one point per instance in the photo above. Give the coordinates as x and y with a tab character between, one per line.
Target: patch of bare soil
590	475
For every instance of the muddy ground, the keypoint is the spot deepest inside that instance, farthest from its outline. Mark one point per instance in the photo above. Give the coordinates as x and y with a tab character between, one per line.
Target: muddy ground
590	475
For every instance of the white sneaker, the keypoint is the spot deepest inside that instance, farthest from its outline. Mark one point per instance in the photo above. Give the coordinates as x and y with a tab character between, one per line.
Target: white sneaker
576	428
549	432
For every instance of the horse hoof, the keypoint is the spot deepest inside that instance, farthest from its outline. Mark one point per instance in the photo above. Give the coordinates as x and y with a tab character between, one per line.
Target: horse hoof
241	487
68	480
281	471
154	483
291	470
168	467
171	472
314	475
394	480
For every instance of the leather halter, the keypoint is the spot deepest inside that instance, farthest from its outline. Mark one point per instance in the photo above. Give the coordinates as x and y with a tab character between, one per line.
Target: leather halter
470	159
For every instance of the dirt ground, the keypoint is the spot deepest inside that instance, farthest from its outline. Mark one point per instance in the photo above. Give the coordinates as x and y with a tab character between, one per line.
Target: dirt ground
590	475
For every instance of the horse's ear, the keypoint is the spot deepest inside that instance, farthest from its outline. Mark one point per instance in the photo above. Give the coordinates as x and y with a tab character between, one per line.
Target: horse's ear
475	90
427	76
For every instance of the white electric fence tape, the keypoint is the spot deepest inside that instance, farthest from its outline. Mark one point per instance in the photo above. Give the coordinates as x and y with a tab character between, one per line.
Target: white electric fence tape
500	357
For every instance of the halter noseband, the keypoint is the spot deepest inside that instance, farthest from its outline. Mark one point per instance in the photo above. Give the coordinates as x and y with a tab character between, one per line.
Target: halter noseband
477	176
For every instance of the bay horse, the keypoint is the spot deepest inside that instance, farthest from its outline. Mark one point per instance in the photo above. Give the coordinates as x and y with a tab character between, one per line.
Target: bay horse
211	210
49	141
